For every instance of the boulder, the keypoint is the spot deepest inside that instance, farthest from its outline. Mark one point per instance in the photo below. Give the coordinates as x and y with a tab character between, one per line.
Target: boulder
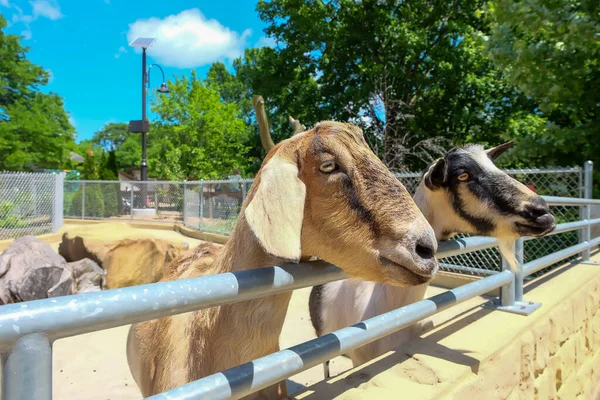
64	286
87	276
28	269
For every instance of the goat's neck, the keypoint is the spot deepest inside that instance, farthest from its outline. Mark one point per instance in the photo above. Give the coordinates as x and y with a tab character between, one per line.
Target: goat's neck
242	251
248	329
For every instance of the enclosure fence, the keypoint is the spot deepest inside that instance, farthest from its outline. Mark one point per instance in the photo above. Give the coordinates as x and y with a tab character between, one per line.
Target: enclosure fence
213	206
30	203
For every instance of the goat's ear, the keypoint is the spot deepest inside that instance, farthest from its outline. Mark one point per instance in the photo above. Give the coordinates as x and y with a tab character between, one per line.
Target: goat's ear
276	211
436	175
497	151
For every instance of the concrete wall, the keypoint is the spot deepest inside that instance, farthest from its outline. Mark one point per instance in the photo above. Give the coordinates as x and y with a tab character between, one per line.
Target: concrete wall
552	354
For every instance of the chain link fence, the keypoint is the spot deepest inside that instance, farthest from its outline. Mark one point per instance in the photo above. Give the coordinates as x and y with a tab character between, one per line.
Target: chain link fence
156	201
213	206
30	203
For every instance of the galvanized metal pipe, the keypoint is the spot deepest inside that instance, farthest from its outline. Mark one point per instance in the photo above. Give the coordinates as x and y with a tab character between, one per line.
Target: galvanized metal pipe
588	171
569	201
247	378
507	292
519	275
455	247
567	227
72	315
541	263
468	270
27	369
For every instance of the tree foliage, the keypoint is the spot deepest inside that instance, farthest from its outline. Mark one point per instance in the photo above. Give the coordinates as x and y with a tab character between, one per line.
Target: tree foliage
111	136
35	131
407	71
551	51
197	135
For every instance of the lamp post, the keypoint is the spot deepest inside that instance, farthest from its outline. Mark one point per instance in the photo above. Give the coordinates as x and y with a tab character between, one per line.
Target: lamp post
142	126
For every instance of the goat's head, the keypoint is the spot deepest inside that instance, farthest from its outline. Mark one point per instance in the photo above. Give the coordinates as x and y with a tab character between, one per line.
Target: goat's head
479	198
324	193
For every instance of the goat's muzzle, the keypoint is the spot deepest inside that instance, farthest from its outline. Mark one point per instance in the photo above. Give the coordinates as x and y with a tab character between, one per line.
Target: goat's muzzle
538	220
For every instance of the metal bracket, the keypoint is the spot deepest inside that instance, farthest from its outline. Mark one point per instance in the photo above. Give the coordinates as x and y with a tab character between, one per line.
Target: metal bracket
519	307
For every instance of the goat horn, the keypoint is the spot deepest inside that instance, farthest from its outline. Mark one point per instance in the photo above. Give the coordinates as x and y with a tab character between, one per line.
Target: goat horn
263	124
297	127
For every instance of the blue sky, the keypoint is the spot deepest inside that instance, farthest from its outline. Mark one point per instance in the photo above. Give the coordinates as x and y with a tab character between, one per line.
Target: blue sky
85	46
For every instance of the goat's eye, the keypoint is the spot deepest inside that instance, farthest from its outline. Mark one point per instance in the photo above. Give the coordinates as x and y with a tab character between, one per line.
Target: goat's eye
328	167
463	177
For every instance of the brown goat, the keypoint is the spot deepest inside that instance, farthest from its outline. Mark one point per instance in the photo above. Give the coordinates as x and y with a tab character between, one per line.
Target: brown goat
322	193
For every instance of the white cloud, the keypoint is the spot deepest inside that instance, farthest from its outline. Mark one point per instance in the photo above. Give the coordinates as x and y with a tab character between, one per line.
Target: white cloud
46	8
122	50
188	39
266	42
39	8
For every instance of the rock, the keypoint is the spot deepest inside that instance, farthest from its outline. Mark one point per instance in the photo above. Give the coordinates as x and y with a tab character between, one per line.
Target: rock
64	286
28	268
87	276
138	261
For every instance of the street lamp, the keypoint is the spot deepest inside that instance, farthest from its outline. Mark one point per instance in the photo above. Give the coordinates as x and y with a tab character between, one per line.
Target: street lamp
142	126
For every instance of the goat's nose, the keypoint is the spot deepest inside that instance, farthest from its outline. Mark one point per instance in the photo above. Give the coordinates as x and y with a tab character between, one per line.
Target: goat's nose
537	208
425	249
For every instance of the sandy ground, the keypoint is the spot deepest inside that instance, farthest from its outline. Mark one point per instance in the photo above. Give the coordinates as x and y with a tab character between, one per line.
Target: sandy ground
94	366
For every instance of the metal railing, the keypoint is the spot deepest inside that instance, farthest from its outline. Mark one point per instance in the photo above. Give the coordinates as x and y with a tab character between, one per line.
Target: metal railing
27	330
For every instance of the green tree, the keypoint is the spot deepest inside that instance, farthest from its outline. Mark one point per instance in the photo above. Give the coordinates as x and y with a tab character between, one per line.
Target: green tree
129	154
406	71
551	51
35	131
112	135
197	135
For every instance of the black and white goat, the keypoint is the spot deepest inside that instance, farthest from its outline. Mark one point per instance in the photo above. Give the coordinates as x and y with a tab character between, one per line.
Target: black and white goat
463	192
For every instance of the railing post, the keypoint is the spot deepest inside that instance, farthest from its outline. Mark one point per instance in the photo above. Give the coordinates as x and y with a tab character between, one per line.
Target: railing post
588	172
519	273
27	369
511	295
59	196
83	200
507	292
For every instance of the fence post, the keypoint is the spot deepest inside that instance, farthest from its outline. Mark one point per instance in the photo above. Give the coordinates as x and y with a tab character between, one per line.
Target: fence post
83	200
185	196
131	203
59	196
588	172
201	204
27	369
